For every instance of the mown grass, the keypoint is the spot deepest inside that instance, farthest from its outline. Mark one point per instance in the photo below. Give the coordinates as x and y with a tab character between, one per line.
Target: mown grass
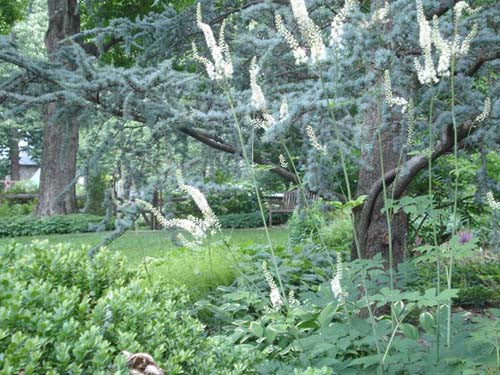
159	260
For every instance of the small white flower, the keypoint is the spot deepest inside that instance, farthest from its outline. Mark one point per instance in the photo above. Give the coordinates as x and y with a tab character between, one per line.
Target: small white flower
426	74
197	228
274	294
291	299
309	31
299	53
410	139
389	98
337	26
314	140
335	284
258	100
283	161
380	15
222	66
494	205
486	111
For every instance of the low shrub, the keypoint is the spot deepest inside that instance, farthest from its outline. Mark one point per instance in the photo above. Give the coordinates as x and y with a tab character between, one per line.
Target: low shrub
223	201
478	282
17	209
63	313
31	226
321	225
246	220
25	186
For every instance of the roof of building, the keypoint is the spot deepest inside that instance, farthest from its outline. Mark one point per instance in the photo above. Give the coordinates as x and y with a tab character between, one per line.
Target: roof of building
26	160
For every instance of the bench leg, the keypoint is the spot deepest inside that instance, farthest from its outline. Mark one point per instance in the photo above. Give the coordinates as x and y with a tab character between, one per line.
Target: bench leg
270	219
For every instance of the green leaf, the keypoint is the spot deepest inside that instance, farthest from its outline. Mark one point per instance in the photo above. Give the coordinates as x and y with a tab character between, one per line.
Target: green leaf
257	329
427	321
325	317
409	331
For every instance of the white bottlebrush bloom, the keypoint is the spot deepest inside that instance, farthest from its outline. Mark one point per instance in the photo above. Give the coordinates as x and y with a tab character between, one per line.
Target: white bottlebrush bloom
389	98
380	15
335	284
283	161
291	299
228	66
209	67
222	66
337	26
197	228
274	294
314	140
464	48
298	52
309	31
444	47
485	113
210	220
426	74
283	109
268	119
410	138
494	205
258	100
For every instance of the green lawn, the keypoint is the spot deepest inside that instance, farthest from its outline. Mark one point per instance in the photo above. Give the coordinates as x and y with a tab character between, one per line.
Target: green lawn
158	259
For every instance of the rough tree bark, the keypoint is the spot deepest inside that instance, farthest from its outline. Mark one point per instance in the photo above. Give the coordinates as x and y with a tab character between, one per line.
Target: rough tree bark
368	217
373	237
15	169
60	134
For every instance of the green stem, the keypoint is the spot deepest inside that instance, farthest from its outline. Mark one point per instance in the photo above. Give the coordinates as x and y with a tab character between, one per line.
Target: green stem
455	197
254	181
351	215
434	233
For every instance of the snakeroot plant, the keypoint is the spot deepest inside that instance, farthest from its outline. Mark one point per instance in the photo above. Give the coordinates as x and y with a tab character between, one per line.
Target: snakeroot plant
197	228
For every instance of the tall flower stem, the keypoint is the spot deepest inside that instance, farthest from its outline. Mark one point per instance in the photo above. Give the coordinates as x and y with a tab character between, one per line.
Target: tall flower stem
351	215
256	188
434	233
455	195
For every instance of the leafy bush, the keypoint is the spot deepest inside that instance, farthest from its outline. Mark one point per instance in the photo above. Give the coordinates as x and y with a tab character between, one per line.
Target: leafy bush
229	200
16	209
247	220
25	186
31	226
321	225
478	282
305	224
63	313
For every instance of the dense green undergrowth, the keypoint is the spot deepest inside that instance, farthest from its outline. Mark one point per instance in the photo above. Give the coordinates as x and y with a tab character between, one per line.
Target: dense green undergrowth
32	226
62	313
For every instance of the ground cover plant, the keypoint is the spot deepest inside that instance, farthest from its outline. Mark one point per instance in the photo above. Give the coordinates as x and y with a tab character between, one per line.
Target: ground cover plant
62	312
381	120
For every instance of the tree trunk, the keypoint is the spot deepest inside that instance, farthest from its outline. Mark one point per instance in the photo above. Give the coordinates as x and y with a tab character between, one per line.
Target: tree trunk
15	169
373	234
60	134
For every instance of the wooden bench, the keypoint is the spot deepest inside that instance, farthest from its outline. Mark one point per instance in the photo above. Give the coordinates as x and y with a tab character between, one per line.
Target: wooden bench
286	204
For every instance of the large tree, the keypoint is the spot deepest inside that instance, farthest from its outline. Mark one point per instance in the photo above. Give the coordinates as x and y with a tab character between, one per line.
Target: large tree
60	133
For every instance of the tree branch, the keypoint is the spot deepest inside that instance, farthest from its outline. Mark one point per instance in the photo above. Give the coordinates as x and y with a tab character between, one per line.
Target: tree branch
406	173
217	143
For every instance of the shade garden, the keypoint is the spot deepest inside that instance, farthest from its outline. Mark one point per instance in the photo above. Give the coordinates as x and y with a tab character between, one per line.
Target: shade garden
300	187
